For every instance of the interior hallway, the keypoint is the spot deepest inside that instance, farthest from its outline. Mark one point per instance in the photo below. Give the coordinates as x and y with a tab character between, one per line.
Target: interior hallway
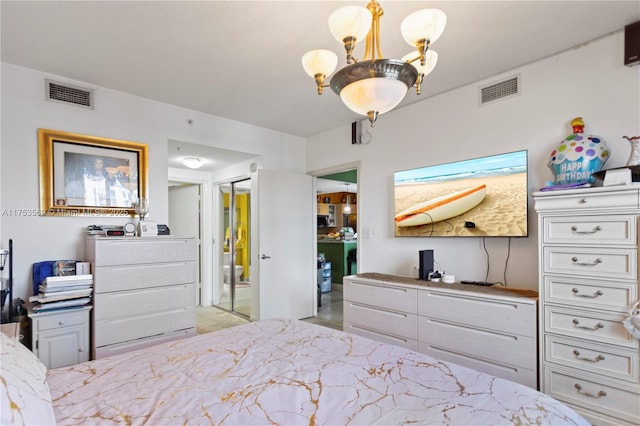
329	314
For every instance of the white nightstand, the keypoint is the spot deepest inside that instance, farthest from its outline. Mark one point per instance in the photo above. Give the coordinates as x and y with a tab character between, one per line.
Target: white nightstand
61	338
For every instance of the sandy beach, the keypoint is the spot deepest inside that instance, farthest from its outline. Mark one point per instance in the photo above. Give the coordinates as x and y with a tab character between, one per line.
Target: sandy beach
502	212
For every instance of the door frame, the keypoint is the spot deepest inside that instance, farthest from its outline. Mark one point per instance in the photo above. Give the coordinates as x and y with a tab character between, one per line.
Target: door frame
207	266
345	167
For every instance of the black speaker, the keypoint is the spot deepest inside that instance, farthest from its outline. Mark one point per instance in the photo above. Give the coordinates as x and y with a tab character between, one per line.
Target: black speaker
355	133
425	262
632	44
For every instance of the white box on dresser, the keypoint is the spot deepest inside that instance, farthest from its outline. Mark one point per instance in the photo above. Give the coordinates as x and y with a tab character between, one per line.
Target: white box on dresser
588	256
144	291
490	329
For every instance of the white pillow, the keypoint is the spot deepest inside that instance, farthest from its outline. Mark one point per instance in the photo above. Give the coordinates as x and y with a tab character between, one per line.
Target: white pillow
25	397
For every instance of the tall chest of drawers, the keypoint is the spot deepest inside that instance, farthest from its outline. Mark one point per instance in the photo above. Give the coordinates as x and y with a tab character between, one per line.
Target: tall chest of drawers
144	291
588	257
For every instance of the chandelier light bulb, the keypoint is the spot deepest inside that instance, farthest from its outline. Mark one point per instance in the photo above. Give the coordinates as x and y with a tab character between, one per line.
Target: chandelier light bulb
319	61
350	21
425	24
373	94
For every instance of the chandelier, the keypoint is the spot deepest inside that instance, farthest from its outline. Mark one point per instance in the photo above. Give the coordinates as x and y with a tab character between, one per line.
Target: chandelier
374	85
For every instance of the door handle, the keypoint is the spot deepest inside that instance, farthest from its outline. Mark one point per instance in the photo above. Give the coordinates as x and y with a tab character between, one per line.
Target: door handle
264	256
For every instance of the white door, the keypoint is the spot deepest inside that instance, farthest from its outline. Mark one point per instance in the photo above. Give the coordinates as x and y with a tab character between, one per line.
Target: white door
283	240
184	220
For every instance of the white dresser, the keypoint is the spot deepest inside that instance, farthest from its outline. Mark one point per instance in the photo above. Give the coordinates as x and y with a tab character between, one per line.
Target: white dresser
588	259
491	329
144	291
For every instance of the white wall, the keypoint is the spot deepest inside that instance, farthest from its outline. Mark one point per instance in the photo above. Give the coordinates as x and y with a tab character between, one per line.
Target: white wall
589	81
117	115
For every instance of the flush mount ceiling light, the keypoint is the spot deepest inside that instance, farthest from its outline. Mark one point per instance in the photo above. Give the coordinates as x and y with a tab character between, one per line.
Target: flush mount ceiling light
193	162
375	85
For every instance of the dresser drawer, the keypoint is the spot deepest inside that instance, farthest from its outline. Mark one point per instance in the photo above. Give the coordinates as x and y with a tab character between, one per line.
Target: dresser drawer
591	262
124	277
583	391
522	375
47	321
363	331
144	301
137	326
386	321
132	345
597	359
591	230
479	312
499	348
595	326
133	251
394	298
586	200
598	293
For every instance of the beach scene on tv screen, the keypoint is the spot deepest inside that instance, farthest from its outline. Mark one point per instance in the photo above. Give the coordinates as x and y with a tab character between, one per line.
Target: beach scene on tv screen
480	197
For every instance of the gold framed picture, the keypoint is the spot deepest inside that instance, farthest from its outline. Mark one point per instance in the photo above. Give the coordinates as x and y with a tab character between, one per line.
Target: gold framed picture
83	175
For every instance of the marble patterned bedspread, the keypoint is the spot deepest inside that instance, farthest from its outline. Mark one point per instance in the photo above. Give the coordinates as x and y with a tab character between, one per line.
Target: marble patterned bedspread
288	373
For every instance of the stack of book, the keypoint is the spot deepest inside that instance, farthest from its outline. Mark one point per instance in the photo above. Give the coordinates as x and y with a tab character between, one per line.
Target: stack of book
63	292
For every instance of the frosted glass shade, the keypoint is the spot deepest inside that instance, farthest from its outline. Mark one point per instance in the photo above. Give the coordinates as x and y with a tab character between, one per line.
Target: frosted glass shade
423	24
373	94
319	61
350	21
193	162
431	59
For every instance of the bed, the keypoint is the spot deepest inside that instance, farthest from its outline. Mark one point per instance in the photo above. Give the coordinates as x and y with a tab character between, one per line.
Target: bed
279	372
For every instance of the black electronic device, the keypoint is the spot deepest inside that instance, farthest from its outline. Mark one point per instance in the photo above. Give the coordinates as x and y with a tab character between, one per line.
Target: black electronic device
163	230
425	263
476	282
632	44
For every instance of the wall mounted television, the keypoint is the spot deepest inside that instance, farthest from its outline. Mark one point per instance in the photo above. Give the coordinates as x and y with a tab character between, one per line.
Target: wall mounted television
480	197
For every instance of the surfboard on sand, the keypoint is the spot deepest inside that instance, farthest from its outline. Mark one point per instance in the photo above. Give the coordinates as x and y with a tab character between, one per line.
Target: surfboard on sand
441	208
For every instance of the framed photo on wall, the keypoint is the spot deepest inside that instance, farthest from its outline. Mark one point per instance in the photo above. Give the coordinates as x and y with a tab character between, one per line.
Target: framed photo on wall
84	175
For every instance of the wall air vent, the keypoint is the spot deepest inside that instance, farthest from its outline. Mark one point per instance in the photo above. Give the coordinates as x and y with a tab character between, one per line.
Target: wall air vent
68	94
500	90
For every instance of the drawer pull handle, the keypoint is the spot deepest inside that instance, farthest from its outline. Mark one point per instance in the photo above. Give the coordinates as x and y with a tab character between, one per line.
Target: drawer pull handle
60	322
582	201
595	327
590	296
597	396
80	349
594	263
593	231
596	359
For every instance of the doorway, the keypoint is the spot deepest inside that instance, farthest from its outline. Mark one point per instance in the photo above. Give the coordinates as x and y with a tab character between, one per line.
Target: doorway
337	210
235	210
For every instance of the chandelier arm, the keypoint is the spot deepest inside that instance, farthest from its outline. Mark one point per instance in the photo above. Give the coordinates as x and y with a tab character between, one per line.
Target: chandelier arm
419	83
376	37
423	46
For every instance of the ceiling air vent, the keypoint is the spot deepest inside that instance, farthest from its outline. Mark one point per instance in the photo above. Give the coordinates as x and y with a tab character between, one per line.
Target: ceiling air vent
68	94
500	90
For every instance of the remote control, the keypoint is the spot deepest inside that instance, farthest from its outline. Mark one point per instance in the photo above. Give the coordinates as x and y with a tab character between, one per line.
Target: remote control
476	282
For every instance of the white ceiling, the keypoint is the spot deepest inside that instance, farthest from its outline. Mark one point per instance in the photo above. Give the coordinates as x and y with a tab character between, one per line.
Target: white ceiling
241	59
